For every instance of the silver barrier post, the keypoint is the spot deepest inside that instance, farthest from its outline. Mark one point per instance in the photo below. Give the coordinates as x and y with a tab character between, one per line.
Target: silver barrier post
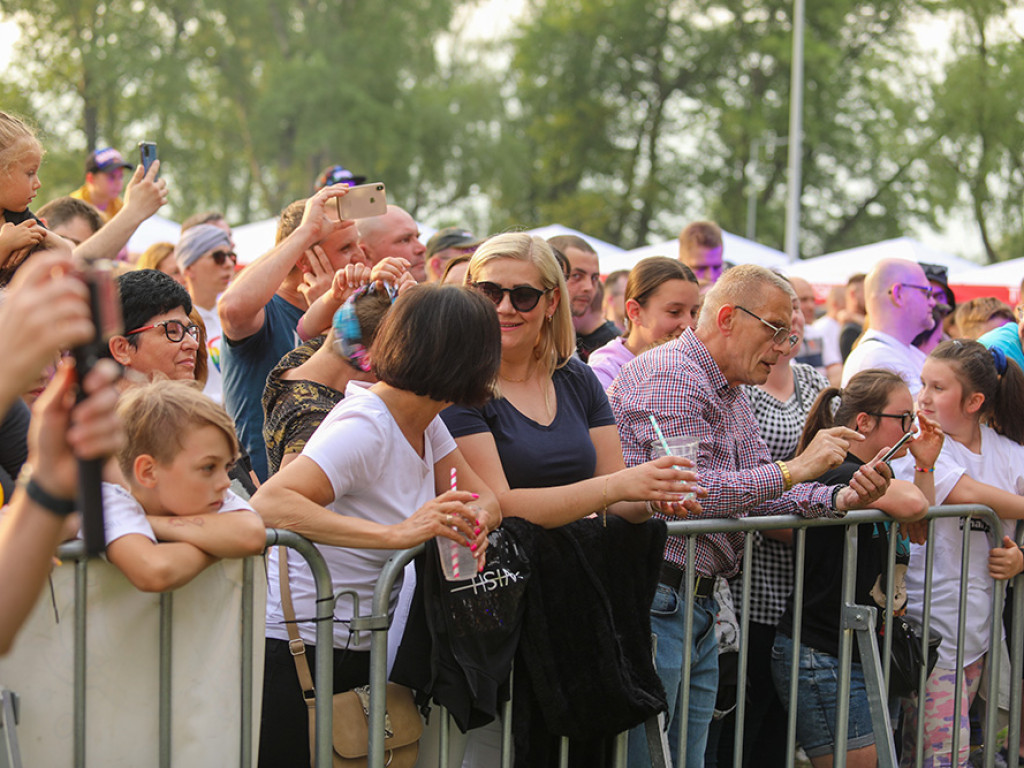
323	679
377	624
10	755
81	584
794	659
741	667
1016	657
248	626
166	625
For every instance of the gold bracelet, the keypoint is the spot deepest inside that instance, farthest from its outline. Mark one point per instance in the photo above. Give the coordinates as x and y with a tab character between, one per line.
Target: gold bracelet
787	479
604	501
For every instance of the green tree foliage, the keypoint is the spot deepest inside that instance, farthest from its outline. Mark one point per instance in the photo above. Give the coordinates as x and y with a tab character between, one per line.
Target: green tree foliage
979	115
641	112
247	100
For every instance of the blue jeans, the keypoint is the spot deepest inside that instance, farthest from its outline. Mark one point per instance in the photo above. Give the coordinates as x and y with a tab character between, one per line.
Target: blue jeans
668	616
817	694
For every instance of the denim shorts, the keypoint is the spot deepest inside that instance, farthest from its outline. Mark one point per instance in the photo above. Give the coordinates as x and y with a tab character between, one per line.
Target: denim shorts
817	693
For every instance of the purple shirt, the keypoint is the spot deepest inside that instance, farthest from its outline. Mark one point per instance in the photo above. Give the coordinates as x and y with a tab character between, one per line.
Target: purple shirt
681	385
609	359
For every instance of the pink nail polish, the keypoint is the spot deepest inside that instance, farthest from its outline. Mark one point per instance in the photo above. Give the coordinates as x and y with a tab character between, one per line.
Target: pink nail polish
472	547
477	530
475	495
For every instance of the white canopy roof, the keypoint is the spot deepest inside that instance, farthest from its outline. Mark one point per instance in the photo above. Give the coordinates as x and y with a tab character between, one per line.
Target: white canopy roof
1008	273
737	250
155	229
836	268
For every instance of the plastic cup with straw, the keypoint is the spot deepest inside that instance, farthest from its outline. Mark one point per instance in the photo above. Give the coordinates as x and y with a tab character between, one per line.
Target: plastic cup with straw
683	446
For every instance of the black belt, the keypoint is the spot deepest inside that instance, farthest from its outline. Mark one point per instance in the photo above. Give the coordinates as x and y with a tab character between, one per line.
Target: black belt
671	576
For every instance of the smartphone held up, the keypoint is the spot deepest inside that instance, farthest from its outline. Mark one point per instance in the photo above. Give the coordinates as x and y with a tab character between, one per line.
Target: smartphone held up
363	201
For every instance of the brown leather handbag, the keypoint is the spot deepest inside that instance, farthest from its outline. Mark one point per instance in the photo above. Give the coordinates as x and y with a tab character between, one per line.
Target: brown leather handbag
350	735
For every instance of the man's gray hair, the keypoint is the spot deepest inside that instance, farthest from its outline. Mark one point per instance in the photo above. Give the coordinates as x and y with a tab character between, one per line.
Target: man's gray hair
746	285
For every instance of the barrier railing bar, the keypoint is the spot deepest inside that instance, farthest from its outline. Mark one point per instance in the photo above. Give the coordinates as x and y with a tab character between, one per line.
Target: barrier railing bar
248	626
798	616
563	752
379	652
1016	656
926	616
965	561
323	678
166	649
890	589
683	697
81	584
741	666
845	648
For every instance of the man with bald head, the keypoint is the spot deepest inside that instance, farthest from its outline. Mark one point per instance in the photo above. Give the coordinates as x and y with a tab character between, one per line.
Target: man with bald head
691	386
899	301
394	234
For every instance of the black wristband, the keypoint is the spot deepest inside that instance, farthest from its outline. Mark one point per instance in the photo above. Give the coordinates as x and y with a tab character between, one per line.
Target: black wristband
46	500
835	500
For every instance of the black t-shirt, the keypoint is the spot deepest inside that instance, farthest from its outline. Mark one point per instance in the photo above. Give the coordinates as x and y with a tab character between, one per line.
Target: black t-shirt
17	217
587	343
823	573
534	455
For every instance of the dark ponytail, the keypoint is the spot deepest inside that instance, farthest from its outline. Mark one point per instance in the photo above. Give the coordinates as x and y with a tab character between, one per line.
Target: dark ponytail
867	392
999	379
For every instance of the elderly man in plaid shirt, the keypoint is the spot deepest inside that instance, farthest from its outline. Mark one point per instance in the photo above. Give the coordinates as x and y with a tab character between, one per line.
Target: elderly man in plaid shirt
691	386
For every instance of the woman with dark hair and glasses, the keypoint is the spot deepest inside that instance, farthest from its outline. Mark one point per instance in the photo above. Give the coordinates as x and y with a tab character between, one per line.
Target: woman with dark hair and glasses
159	337
376	477
877	404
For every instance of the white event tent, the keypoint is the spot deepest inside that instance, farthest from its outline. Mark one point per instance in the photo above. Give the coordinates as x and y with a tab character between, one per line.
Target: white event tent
836	268
155	229
736	249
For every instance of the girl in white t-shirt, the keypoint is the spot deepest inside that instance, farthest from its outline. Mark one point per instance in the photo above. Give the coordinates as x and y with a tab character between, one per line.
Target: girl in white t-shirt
975	395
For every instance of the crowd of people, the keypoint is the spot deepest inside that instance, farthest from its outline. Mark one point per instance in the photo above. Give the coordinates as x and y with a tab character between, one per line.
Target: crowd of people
373	393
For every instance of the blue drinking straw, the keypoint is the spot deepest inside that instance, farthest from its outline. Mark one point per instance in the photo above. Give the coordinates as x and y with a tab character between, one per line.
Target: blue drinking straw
661	436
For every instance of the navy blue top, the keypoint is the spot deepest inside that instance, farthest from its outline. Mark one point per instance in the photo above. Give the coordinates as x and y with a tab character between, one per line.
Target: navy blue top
245	364
537	456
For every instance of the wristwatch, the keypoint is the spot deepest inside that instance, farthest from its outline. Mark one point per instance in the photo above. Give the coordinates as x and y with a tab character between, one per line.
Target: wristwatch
835	501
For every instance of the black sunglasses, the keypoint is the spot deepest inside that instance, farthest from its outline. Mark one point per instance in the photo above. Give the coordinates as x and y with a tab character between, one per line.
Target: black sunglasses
906	418
219	257
523	297
174	330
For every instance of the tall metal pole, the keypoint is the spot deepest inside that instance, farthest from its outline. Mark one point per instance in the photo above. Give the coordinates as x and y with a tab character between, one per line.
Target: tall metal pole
796	109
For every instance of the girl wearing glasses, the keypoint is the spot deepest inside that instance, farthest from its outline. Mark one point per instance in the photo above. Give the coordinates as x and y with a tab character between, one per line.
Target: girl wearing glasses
662	301
878	405
975	394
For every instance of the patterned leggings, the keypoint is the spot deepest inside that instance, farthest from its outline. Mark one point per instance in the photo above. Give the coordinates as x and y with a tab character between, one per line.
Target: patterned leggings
939	709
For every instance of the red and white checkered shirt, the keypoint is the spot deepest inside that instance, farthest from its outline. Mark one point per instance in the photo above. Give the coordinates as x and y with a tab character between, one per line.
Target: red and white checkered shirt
681	385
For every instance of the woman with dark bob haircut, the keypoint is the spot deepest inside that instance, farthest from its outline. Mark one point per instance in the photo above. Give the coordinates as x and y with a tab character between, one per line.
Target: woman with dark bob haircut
374	477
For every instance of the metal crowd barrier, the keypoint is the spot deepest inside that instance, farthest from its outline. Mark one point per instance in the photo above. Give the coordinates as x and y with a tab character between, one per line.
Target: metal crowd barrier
860	621
857	619
75	551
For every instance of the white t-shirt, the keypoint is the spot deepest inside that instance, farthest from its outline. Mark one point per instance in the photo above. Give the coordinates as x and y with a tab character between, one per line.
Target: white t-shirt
828	329
376	475
1000	464
214	334
123	514
880	350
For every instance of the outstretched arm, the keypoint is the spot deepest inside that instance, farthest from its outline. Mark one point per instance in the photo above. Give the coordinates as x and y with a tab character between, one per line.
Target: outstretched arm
219	534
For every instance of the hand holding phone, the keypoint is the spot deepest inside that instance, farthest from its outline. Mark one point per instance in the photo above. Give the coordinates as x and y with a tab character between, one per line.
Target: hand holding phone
363	201
899	444
147	154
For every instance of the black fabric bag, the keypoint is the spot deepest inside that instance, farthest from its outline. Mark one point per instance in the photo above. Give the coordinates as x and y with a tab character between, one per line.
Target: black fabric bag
908	655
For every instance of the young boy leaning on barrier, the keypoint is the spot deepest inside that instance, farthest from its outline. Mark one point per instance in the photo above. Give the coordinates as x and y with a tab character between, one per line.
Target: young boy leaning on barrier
177	516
